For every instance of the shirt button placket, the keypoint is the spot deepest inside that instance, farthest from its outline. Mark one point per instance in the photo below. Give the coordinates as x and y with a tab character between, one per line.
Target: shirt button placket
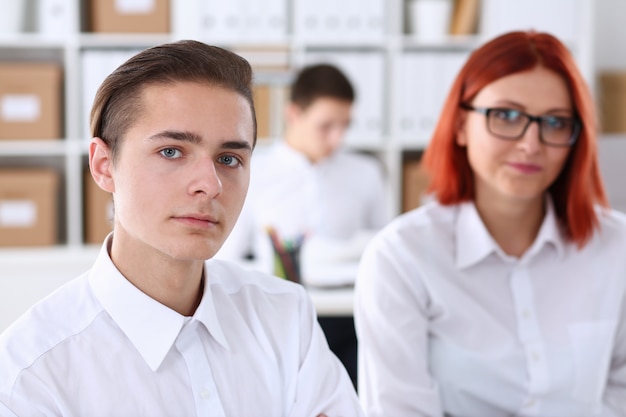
190	347
205	394
529	336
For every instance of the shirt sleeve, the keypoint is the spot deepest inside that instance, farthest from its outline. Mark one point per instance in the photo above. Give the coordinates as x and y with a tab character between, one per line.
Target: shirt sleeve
615	393
19	407
391	319
379	213
5	412
323	384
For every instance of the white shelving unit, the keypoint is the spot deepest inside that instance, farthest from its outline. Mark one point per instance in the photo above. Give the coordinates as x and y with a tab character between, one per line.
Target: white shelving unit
367	37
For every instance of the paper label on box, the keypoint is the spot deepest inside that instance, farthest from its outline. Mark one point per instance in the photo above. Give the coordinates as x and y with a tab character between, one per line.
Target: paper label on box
134	6
20	107
18	213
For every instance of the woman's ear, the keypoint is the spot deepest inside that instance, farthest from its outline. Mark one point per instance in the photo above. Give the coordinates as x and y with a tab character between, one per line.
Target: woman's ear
461	127
101	164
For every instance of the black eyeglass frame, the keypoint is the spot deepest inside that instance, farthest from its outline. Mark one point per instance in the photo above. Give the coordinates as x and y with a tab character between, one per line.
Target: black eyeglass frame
577	125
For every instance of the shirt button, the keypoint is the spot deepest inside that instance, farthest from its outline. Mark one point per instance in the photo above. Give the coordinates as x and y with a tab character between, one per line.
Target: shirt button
205	394
525	313
536	356
530	402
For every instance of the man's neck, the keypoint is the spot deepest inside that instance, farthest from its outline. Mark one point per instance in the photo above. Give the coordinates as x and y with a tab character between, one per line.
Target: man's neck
173	283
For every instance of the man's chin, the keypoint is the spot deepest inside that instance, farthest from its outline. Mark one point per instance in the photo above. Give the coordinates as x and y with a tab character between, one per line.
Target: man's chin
196	253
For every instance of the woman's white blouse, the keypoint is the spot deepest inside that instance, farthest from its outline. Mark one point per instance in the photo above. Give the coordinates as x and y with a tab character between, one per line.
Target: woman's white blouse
448	324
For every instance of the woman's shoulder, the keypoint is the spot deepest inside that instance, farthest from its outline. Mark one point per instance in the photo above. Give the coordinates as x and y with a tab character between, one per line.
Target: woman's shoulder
611	221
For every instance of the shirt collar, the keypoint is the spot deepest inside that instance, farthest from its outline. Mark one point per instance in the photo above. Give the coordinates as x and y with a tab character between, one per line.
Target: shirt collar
150	326
549	233
294	155
474	242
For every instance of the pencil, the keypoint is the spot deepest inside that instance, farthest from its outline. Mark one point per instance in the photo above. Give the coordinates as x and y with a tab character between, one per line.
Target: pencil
287	265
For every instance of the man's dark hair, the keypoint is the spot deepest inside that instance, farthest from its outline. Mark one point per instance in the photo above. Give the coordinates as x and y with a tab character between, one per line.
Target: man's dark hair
118	103
320	80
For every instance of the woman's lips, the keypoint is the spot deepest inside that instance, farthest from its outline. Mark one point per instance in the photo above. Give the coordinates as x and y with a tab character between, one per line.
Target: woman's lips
525	168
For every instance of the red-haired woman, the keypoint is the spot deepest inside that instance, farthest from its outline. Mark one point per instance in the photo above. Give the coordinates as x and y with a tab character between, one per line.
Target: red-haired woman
505	294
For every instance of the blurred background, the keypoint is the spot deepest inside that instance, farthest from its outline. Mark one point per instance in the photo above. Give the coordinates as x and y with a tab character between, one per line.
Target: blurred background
400	54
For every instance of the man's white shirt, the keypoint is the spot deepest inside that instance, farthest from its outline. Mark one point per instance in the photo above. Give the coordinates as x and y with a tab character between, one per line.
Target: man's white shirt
337	200
98	346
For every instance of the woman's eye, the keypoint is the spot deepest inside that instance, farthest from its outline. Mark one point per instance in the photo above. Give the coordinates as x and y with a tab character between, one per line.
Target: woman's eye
229	160
171	153
554	122
508	115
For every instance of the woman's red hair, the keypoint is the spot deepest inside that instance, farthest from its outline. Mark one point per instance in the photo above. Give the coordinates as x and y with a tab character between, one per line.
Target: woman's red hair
579	185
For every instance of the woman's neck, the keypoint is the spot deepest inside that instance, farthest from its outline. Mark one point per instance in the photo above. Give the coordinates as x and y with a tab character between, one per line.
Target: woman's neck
514	224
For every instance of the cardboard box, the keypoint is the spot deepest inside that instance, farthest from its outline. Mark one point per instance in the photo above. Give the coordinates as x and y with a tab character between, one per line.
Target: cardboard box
98	211
613	102
262	108
414	184
28	207
30	100
130	16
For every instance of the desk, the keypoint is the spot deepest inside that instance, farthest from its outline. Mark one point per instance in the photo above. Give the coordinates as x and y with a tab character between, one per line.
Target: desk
331	301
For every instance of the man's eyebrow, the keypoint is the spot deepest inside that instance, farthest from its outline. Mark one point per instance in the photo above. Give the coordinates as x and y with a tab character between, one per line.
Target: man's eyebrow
184	136
194	138
237	144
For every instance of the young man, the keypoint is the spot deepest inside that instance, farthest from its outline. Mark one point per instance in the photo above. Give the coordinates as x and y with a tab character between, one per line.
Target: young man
306	185
154	329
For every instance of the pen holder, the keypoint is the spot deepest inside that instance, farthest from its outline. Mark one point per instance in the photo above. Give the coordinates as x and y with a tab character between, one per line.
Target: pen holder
286	253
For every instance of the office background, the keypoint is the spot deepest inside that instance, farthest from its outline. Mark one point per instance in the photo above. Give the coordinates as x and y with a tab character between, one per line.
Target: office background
54	54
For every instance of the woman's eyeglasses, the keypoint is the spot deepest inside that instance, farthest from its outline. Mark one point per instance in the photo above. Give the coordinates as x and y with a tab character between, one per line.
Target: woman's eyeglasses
511	124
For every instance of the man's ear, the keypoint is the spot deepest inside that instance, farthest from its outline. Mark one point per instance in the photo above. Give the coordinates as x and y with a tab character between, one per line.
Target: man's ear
292	112
101	164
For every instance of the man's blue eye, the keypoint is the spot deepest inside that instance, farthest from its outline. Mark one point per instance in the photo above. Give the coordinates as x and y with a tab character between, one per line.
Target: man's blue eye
229	160
170	153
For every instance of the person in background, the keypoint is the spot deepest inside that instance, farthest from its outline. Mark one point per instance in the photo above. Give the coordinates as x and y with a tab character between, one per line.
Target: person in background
306	185
505	295
156	327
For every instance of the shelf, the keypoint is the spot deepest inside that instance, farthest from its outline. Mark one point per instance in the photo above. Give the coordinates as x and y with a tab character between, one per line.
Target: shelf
378	62
34	148
31	41
448	43
122	40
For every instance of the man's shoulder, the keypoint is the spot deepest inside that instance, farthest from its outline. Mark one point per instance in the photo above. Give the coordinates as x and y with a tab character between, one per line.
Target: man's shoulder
358	159
233	277
257	297
44	326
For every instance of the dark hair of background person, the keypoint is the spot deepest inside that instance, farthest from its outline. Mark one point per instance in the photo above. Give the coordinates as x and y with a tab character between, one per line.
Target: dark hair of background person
320	80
